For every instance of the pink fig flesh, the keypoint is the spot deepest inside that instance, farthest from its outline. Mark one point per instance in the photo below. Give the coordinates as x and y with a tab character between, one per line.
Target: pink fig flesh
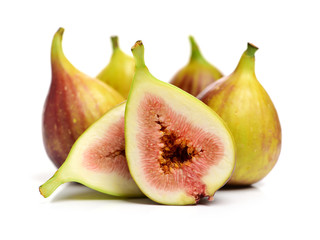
183	151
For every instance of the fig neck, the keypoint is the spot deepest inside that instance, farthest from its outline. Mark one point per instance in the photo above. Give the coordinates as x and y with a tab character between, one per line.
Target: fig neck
115	42
247	60
138	54
57	55
196	54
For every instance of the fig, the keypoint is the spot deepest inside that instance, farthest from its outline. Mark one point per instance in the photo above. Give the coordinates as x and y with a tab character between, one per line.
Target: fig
178	149
73	103
252	118
197	74
97	159
120	70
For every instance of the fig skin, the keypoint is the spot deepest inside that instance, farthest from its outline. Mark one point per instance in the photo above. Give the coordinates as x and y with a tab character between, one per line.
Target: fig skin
246	107
73	103
120	70
197	74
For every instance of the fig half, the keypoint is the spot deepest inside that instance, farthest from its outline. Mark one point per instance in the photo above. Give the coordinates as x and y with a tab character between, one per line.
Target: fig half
97	159
178	149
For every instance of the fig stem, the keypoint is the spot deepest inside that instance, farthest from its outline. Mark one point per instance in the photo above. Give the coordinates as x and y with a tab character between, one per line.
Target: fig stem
247	61
195	51
138	54
115	42
50	186
251	49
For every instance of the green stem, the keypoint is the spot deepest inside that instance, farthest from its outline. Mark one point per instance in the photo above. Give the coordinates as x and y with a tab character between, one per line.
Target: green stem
138	54
50	186
195	51
247	61
251	49
115	42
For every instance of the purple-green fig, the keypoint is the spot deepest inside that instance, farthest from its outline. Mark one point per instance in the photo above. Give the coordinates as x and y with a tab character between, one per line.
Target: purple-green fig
73	103
175	156
120	70
197	74
245	106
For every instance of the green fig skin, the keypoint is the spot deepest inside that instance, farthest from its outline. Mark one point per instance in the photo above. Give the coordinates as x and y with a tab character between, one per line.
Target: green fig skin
120	70
73	103
197	74
245	106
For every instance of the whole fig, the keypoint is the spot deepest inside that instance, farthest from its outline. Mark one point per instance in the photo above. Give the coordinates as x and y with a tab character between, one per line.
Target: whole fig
197	74
247	109
73	103
120	70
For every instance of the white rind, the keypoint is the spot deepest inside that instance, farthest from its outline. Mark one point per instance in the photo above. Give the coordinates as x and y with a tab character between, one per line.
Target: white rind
185	105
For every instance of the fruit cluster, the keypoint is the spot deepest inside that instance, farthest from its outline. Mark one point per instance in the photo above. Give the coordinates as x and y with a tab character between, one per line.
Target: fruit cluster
126	133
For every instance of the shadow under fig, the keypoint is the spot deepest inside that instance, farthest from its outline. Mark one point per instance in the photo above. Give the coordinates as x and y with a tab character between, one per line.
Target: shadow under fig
142	200
224	196
237	187
77	191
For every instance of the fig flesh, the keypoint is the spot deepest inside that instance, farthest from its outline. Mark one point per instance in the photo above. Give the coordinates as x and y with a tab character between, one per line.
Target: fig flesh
120	70
73	103
178	149
97	159
197	74
252	118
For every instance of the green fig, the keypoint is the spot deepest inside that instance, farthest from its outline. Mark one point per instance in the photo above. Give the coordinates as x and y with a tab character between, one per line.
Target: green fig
250	114
175	156
120	70
97	159
73	103
197	74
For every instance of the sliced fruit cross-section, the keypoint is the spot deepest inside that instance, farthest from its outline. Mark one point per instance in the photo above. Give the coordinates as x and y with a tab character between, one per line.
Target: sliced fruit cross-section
178	149
97	159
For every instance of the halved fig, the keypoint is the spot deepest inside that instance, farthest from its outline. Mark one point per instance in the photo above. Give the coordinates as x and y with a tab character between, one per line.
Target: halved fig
97	159
178	149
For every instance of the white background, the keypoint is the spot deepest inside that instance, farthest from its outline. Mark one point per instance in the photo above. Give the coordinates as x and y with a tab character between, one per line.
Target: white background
283	205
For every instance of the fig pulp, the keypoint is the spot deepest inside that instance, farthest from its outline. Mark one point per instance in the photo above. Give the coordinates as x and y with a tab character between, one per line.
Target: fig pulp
178	149
73	103
120	70
250	114
197	74
97	159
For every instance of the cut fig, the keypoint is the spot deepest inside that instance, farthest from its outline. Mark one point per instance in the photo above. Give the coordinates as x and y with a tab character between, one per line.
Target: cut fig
178	149
97	159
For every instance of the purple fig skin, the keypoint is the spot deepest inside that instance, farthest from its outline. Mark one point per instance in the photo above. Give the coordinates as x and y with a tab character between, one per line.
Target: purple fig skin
197	74
73	103
245	106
